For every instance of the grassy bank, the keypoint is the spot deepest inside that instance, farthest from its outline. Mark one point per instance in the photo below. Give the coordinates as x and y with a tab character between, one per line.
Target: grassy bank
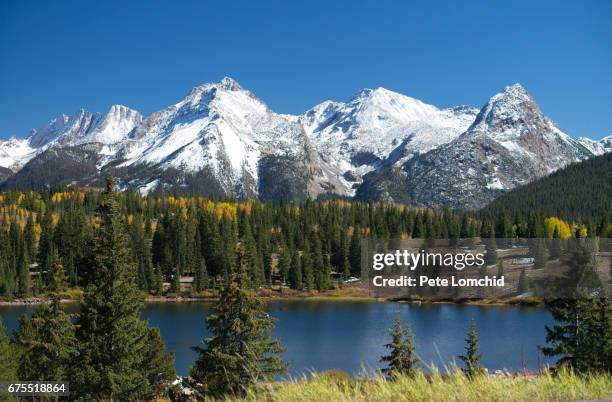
565	386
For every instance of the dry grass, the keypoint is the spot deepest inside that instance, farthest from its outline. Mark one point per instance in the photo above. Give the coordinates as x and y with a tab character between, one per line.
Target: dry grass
566	386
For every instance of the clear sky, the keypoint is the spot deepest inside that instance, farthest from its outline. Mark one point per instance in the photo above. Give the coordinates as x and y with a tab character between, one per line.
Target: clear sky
59	56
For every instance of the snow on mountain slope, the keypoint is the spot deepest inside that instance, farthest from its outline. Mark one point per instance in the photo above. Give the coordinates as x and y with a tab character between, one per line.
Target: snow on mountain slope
597	147
513	119
14	153
83	127
112	127
379	125
220	126
86	127
213	118
510	143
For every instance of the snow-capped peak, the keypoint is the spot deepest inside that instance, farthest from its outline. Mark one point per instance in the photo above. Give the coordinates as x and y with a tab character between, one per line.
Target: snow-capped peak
383	104
113	126
230	84
510	106
597	147
226	84
217	126
378	126
513	119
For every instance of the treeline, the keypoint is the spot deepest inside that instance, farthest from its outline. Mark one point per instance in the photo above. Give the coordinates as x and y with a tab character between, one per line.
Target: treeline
46	238
580	192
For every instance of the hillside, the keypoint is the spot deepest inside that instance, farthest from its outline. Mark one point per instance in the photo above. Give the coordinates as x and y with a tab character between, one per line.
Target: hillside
581	191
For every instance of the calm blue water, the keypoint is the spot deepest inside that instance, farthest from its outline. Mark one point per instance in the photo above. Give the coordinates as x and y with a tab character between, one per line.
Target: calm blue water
321	335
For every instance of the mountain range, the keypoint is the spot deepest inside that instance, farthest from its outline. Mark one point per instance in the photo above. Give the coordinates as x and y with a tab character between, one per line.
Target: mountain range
221	140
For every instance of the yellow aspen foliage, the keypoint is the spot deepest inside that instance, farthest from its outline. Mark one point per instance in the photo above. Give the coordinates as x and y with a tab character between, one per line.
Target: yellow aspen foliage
563	229
580	229
68	195
225	210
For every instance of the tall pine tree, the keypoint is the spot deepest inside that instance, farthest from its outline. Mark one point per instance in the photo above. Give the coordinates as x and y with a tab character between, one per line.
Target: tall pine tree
401	359
114	347
240	351
472	355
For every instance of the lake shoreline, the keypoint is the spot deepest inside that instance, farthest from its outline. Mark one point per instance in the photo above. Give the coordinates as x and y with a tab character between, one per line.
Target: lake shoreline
340	295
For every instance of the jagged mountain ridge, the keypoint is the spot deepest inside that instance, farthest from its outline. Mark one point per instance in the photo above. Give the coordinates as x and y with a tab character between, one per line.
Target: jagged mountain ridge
83	127
510	143
220	135
378	127
597	147
223	139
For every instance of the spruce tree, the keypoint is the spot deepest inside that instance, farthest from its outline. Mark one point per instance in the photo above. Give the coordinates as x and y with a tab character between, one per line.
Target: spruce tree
346	267
200	281
295	272
602	324
7	285
113	340
158	366
580	336
319	264
472	356
8	357
29	235
355	253
175	285
307	270
240	351
45	242
157	286
401	359
57	275
47	344
285	264
345	262
23	274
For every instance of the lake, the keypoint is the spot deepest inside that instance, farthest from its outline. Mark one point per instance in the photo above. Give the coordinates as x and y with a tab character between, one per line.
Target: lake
349	335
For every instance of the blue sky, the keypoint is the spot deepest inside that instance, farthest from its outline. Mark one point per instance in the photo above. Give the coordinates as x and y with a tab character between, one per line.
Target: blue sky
58	56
